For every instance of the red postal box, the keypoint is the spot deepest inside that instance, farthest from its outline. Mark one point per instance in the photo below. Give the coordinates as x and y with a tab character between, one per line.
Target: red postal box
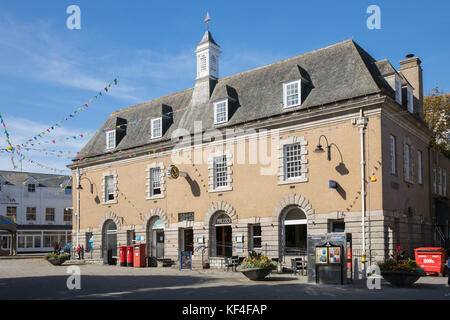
139	256
432	260
123	256
129	256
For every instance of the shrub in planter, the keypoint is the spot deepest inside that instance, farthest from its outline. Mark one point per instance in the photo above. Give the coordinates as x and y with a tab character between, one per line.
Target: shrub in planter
400	270
256	266
57	259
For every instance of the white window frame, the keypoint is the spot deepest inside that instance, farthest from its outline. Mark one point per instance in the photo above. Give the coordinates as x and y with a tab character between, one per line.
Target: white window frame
108	173
223	181
285	95
47	213
152	129
409	100
212	171
149	183
419	167
108	139
299	155
31	213
216	106
155	182
393	153
31	187
109	189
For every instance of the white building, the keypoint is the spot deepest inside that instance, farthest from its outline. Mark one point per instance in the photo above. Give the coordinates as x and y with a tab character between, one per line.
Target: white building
40	204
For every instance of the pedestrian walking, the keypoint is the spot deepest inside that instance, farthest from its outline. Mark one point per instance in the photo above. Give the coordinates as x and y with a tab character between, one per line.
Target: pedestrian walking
79	252
82	252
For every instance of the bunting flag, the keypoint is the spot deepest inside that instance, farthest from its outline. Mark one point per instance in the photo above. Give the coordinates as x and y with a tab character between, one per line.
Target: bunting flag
23	157
9	148
32	143
71	115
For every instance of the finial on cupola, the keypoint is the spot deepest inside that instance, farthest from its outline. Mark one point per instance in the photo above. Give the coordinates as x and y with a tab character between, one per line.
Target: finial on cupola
207	19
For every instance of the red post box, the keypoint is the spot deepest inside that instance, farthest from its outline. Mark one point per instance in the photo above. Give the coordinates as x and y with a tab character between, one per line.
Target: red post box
432	260
139	255
129	256
123	256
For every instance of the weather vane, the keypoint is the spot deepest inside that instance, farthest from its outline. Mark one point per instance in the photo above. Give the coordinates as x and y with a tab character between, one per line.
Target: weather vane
207	19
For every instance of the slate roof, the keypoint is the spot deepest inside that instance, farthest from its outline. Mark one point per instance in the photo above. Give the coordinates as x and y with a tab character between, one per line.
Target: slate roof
330	74
45	180
207	37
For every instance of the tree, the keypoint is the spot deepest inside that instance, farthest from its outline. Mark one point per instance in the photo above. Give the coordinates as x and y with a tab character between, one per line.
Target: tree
436	108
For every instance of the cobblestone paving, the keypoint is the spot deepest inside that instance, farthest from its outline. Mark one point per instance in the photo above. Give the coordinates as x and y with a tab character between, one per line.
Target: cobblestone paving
37	279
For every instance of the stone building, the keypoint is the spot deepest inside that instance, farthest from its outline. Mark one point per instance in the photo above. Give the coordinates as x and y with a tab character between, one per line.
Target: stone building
260	159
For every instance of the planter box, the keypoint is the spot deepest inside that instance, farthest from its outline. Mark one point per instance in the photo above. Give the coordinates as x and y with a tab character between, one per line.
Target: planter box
255	274
400	278
58	262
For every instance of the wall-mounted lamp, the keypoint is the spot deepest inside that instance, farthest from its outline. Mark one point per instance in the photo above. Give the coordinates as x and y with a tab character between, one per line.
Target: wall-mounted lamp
319	148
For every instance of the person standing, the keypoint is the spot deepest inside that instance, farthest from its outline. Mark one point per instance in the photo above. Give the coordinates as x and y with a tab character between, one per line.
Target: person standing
79	252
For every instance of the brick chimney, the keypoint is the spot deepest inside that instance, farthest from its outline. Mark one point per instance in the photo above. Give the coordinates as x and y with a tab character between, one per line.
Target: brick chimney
412	71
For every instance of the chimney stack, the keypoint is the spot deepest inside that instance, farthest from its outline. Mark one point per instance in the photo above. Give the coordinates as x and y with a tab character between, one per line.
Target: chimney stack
412	71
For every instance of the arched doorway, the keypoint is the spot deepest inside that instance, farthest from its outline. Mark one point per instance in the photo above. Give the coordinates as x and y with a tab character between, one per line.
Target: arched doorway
155	238
221	242
293	230
109	241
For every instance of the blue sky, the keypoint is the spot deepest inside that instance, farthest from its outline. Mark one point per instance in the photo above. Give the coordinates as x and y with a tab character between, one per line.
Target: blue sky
47	70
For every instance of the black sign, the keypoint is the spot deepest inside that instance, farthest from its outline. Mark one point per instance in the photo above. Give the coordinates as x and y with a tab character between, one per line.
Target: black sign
223	221
186	216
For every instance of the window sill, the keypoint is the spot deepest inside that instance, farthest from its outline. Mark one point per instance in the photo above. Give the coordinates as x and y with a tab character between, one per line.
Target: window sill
293	106
291	181
109	202
222	189
159	196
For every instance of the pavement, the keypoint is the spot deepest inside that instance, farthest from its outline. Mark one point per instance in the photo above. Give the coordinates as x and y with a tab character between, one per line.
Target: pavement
38	279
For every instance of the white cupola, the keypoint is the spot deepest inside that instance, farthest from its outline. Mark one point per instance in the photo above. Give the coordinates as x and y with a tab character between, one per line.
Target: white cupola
207	57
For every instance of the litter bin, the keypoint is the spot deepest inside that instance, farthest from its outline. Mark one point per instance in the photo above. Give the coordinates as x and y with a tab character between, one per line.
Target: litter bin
123	256
431	259
139	256
129	256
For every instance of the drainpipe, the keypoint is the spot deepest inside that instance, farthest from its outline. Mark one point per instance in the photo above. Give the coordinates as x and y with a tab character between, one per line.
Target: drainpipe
362	123
78	205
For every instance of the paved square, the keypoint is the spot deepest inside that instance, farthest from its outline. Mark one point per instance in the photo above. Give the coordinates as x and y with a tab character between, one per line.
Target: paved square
37	279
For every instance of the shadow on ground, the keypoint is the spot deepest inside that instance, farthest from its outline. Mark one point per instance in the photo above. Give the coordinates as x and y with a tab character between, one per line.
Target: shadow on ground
197	288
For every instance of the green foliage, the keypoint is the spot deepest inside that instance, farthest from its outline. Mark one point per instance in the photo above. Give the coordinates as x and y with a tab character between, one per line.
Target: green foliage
436	108
56	256
399	262
257	260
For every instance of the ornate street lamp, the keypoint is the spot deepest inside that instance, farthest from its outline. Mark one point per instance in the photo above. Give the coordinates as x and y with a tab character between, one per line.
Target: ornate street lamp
319	148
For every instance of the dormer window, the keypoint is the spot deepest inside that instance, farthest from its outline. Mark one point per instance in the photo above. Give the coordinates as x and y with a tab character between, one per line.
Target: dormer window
111	139
291	94
410	100
221	111
398	90
31	187
156	128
